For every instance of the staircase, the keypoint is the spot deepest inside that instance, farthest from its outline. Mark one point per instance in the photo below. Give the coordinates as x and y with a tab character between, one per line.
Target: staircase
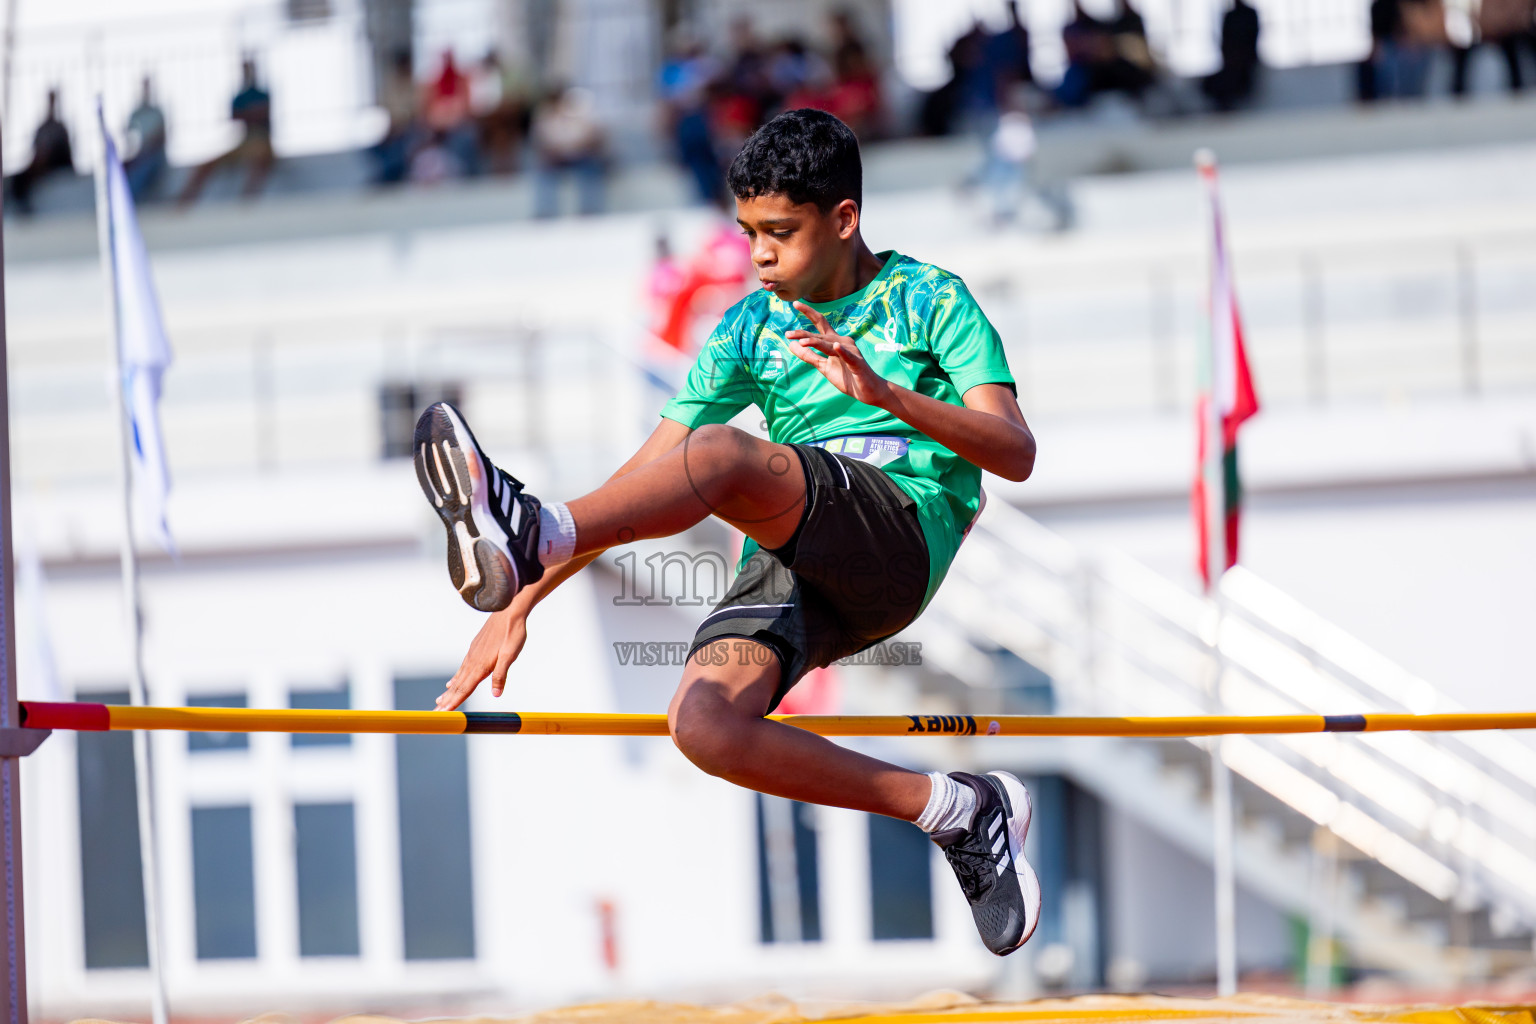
1416	850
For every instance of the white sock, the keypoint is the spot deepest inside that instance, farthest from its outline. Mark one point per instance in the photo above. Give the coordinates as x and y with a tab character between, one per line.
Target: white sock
557	534
950	805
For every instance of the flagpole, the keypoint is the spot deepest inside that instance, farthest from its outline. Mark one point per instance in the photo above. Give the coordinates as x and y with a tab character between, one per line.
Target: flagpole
1215	553
138	692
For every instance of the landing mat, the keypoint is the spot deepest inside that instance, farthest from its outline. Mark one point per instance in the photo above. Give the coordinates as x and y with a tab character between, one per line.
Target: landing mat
954	1008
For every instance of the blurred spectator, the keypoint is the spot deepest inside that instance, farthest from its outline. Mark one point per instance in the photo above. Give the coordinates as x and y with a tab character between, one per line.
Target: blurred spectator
662	288
252	107
747	78
845	37
984	67
855	94
435	160
975	98
397	95
568	139
739	98
1404	35
1007	54
1423	35
446	111
146	145
1009	153
797	69
1233	82
685	85
50	152
499	101
759	82
1132	70
813	79
686	299
1089	47
1506	24
967	96
1105	56
1007	171
1386	23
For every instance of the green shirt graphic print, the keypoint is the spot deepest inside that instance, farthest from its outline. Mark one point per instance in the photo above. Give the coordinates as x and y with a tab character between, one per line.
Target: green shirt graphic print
917	326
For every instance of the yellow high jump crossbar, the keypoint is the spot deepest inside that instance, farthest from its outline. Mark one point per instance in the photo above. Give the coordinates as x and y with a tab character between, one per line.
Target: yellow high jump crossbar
101	717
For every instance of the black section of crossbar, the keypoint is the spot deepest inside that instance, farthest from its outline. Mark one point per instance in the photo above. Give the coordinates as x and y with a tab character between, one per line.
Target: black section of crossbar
493	721
1343	723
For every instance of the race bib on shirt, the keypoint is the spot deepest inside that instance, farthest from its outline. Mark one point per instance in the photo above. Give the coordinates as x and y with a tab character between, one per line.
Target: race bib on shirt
875	449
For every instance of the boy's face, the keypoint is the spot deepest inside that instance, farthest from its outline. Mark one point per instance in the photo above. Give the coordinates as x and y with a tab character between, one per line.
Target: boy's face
796	248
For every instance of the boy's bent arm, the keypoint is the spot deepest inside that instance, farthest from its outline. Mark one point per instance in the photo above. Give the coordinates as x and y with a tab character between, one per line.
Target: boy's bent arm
989	431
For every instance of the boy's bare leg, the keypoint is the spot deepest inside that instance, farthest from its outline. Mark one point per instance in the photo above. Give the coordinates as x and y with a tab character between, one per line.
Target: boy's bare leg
716	720
755	485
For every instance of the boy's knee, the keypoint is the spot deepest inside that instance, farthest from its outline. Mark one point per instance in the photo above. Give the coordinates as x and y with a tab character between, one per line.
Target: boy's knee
718	443
715	435
706	730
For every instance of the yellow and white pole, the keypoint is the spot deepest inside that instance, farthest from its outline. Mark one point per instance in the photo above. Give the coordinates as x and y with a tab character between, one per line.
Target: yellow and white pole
102	717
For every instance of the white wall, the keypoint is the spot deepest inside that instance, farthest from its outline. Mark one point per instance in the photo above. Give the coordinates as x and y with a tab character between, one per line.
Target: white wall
1162	912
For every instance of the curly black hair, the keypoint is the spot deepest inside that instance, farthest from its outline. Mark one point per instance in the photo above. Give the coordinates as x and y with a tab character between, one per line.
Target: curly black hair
806	155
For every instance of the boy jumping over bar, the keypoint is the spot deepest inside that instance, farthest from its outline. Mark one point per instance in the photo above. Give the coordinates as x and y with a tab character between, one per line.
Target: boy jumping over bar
886	393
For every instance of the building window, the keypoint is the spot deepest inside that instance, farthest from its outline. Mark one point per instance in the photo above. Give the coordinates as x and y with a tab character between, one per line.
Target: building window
325	856
302	11
223	882
1066	849
336	699
901	886
200	741
399	407
432	782
111	875
788	884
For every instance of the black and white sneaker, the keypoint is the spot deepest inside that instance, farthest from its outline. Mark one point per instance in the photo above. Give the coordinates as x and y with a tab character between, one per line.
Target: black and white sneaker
493	525
988	859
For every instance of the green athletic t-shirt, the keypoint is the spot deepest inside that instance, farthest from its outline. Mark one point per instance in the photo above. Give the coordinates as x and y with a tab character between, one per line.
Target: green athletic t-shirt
917	326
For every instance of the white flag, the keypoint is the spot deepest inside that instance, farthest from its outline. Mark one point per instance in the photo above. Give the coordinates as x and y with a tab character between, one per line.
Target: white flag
144	352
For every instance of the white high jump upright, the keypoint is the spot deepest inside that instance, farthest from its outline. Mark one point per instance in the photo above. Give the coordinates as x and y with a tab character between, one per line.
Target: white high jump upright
13	739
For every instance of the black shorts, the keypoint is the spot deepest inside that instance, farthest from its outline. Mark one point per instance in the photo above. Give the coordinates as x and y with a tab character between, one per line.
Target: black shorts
853	574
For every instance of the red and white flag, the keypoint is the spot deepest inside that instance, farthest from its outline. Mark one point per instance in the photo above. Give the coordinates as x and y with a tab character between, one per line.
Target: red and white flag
1225	382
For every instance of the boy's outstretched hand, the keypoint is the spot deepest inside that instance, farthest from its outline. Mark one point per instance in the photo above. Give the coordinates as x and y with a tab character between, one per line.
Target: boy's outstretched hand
492	652
838	358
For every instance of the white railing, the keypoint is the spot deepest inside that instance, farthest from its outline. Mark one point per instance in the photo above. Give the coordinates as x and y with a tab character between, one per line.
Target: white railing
1454	815
294	383
300	397
1389	318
